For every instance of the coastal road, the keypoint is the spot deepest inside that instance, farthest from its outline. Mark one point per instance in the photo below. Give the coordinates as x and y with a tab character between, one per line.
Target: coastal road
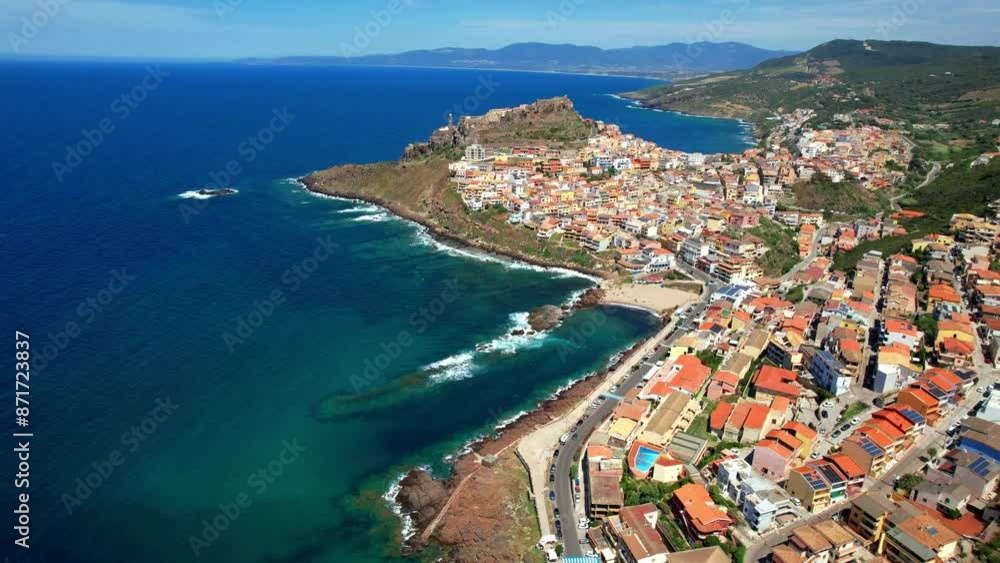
570	510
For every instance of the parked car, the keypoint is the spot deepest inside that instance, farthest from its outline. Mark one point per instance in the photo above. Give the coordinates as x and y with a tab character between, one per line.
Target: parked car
564	438
845	428
825	414
552	478
555	453
836	434
552	469
552	497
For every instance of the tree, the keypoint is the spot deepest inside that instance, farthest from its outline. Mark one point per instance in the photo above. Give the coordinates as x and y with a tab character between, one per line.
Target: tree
559	549
907	482
710	359
712	541
990	551
951	513
928	325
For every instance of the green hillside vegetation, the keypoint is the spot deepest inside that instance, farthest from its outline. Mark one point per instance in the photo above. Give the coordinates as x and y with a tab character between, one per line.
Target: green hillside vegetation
847	197
958	189
919	83
783	249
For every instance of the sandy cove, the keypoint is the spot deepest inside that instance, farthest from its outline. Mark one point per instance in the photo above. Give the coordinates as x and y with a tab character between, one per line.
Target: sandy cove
651	297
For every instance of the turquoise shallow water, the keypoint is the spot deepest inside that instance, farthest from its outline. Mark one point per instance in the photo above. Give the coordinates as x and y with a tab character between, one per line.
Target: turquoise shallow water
187	374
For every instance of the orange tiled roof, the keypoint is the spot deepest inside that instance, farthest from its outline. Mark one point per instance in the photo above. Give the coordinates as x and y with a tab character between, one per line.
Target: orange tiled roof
922	396
719	416
757	416
846	465
800	430
776	447
697	503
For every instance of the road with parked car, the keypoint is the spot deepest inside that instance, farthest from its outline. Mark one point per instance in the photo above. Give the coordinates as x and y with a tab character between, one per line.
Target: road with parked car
569	501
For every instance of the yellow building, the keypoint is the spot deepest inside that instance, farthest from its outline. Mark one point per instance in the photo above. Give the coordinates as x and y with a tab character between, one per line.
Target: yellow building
923	243
868	516
623	428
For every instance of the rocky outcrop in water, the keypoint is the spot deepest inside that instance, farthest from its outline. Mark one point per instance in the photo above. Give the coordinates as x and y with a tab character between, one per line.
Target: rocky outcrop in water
421	496
545	317
590	298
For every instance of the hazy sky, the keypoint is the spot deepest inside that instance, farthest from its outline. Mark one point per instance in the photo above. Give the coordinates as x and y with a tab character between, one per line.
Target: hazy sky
239	28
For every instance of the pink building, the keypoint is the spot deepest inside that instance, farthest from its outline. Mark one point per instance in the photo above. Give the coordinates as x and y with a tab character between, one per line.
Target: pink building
722	383
773	456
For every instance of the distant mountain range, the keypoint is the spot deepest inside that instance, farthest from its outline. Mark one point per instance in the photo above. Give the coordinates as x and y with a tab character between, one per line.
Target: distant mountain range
915	82
665	61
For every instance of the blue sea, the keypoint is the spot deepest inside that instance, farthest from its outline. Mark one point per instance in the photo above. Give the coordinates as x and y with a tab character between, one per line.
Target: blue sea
243	378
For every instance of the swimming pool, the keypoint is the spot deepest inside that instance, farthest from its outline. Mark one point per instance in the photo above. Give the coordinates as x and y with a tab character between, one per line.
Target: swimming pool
645	458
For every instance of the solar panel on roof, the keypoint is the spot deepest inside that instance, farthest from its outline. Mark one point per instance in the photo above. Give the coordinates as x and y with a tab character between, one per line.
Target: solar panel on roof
932	530
831	474
871	447
912	415
980	467
814	481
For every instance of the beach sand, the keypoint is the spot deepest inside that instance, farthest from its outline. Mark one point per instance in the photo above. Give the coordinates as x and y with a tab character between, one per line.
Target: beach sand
651	296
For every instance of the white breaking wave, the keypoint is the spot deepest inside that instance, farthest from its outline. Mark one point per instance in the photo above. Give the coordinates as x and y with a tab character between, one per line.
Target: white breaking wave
423	237
453	368
193	194
463	365
375	218
408	527
361	209
510	343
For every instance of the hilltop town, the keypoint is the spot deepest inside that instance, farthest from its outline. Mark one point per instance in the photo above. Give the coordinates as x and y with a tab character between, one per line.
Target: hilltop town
799	410
798	413
732	216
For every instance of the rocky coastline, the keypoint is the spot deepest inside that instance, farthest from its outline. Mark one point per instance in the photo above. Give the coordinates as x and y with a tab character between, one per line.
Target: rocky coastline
312	184
422	497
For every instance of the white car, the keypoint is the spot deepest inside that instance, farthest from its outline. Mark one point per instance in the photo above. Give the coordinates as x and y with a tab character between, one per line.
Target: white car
855	420
828	404
583	526
564	439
